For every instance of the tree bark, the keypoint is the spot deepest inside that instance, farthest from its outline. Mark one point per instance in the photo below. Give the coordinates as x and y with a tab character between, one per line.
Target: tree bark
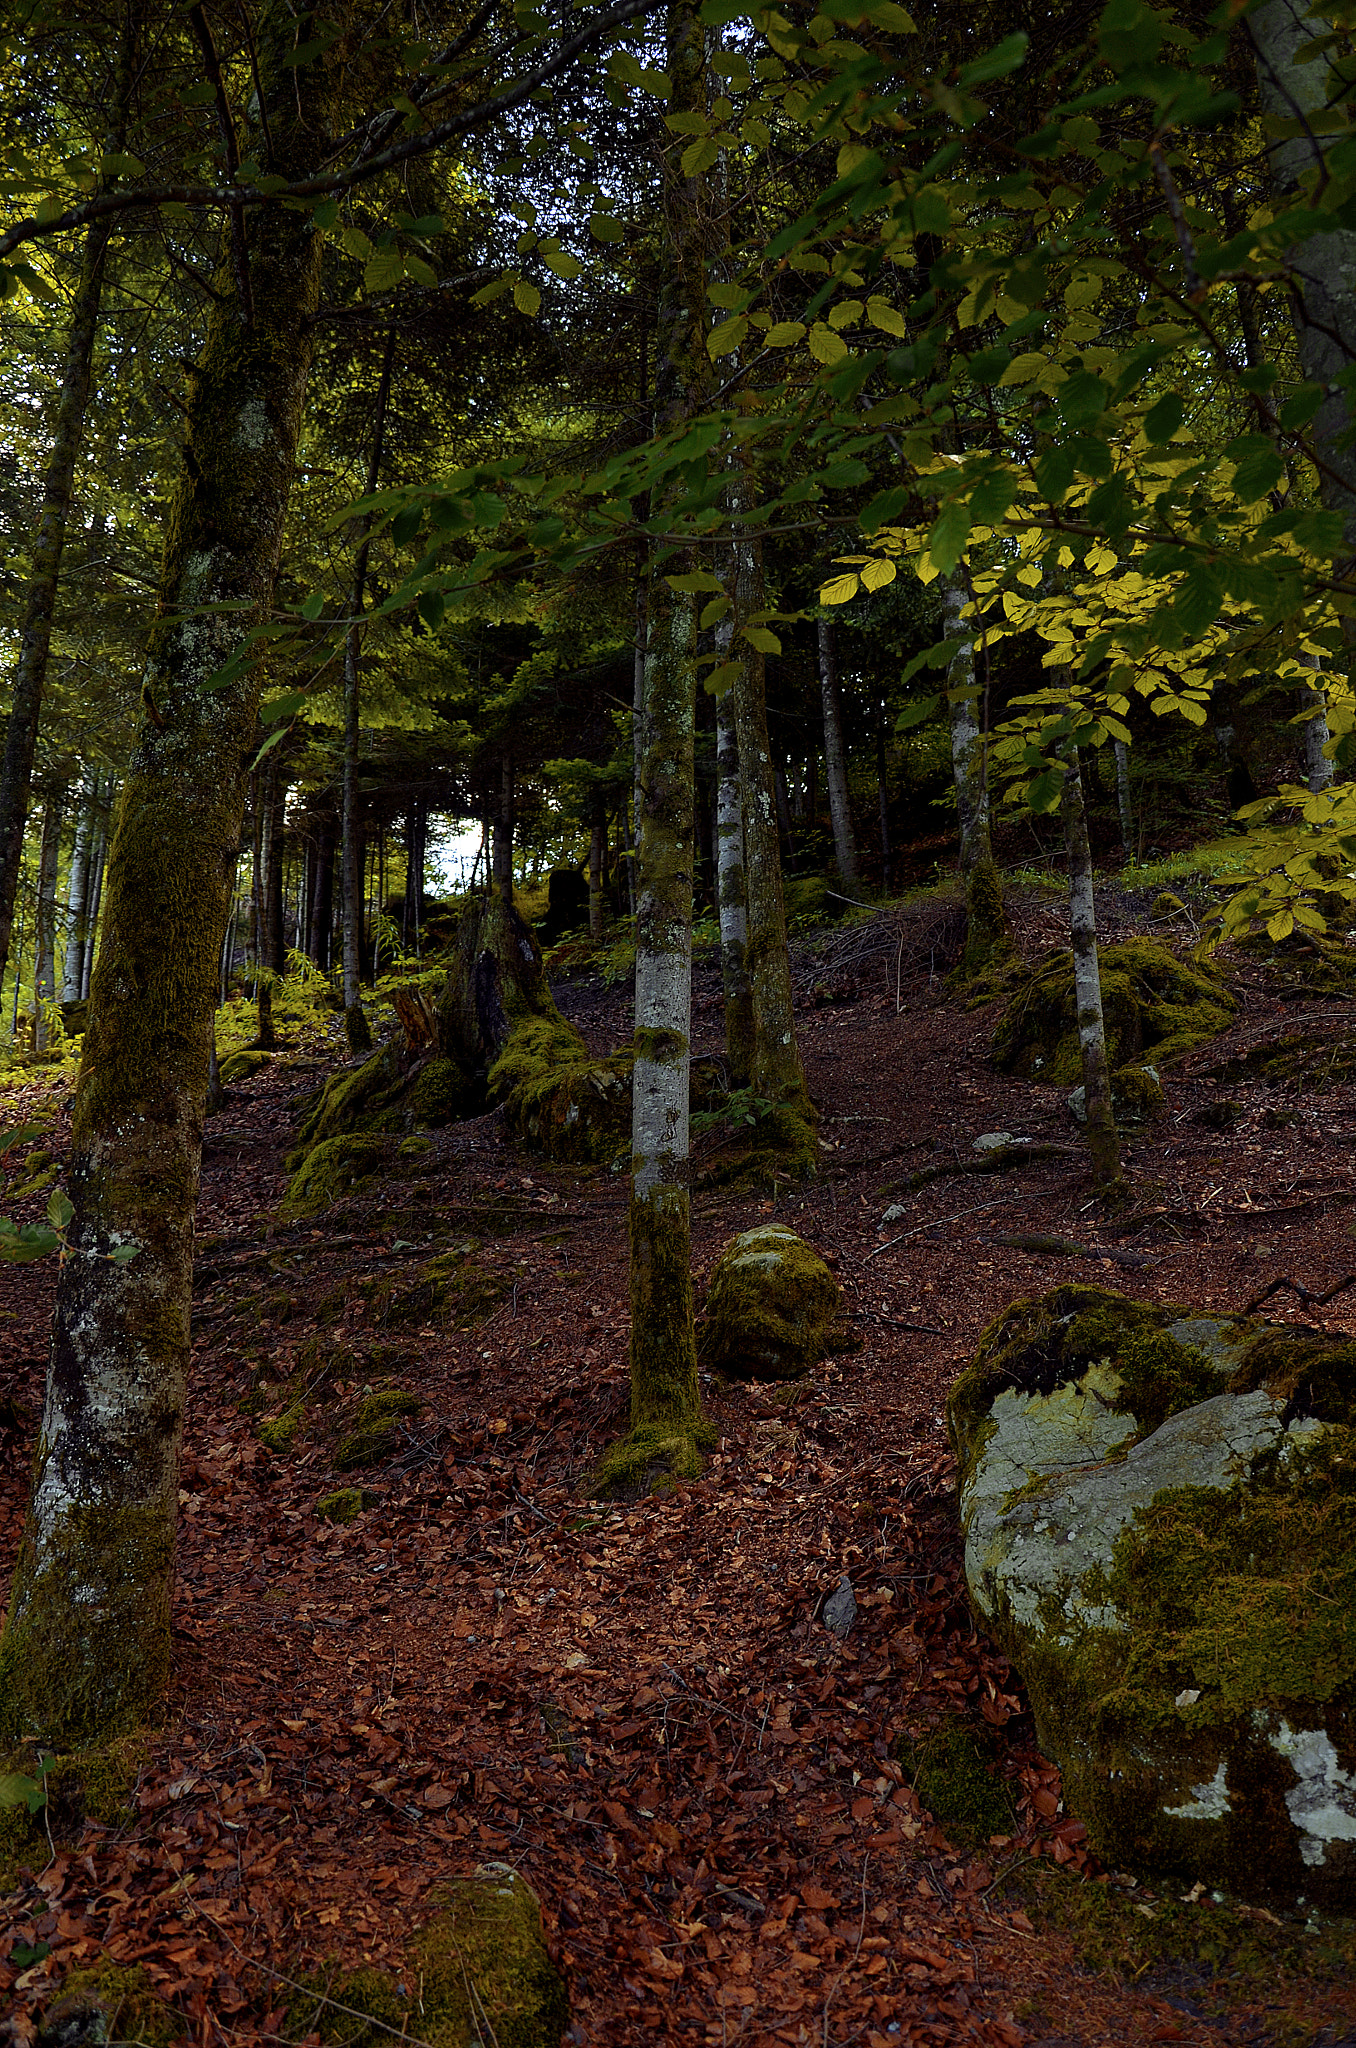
503	832
322	892
96	904
731	890
987	936
1123	804
86	1648
597	842
45	919
1103	1141
35	637
78	895
835	760
884	796
355	1022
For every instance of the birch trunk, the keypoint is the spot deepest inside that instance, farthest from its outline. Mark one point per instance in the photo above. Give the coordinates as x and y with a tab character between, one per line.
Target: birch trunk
666	1418
78	894
1103	1142
987	937
731	891
86	1648
35	635
835	760
45	921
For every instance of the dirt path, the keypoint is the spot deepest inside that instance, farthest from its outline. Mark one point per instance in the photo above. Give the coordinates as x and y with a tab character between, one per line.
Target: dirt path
639	1706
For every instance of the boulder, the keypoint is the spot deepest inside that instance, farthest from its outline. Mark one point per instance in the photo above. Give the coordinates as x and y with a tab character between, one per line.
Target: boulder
1159	1510
771	1307
1155	1006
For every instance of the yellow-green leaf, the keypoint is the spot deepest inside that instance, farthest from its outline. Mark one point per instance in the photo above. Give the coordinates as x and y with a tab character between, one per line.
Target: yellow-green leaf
840	590
765	642
876	575
883	315
527	298
699	157
826	346
727	337
785	333
1280	925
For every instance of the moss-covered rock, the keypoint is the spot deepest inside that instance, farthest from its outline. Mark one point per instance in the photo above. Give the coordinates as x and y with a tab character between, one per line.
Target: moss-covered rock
454	1290
1160	1531
771	1309
333	1169
243	1066
953	1772
282	1431
111	2003
483	1972
375	1433
345	1505
1166	905
1155	1008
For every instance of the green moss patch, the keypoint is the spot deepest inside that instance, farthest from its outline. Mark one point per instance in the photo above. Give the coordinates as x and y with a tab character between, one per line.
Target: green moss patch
243	1066
375	1434
482	1971
652	1458
559	1098
454	1291
772	1307
110	2003
954	1774
345	1506
1156	1007
332	1169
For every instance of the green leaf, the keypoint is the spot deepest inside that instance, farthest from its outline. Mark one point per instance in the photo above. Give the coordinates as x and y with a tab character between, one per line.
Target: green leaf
840	476
950	531
1162	420
696	579
1257	474
1198	599
1081	398
699	156
123	1254
1044	793
762	639
406	525
314	605
1299	410
1003	58
604	228
60	1209
1055	472
527	298
431	607
915	713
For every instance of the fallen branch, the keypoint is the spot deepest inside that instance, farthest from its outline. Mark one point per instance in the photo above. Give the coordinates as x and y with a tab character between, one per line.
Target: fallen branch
998	1160
937	1224
1297	1287
1065	1247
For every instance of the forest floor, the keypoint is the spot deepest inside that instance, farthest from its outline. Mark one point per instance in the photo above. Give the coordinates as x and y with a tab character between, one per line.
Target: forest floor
637	1705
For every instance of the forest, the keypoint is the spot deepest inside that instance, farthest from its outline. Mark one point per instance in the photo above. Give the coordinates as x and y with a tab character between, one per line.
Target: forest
677	936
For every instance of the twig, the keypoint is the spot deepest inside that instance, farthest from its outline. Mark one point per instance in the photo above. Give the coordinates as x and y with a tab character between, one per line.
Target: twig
938	1223
1066	1247
1307	1300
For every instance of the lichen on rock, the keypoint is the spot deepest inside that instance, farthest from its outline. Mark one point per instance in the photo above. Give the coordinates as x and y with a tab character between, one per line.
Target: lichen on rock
1160	1530
772	1307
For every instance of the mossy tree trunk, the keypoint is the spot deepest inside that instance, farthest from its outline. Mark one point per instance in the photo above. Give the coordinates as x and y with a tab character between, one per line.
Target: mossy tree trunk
666	1420
730	891
77	894
1103	1141
987	936
503	832
356	1027
86	1646
35	635
835	757
45	917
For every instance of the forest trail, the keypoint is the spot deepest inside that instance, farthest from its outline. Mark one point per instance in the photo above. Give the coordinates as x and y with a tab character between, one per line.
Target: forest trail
639	1706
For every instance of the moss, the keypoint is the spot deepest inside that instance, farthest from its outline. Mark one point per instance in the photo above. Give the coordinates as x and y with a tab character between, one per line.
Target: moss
771	1307
1317	1060
1166	905
1314	1375
105	1586
1155	1006
759	1143
243	1066
651	1458
437	1094
988	941
1137	1094
953	1773
414	1148
453	1289
334	1168
345	1506
566	1103
483	1974
280	1434
96	1784
374	1435
110	2003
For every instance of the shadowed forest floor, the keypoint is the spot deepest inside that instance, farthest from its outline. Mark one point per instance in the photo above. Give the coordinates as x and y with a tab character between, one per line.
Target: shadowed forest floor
718	1802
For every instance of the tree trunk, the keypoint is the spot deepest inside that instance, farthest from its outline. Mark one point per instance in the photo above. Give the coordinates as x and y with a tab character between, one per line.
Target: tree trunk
96	904
597	841
35	635
86	1647
1123	798
835	760
77	895
987	937
503	833
322	895
884	796
778	1076
1103	1142
734	918
275	912
666	1425
1313	704
788	845
45	921
355	1022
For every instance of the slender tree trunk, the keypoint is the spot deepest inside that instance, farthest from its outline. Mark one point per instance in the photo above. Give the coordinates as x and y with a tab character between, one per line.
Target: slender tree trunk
355	1022
884	796
1123	804
987	936
777	1072
1103	1142
322	898
275	897
835	759
86	1646
788	845
45	920
503	833
77	895
96	904
597	839
1313	704
734	918
666	1424
35	635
